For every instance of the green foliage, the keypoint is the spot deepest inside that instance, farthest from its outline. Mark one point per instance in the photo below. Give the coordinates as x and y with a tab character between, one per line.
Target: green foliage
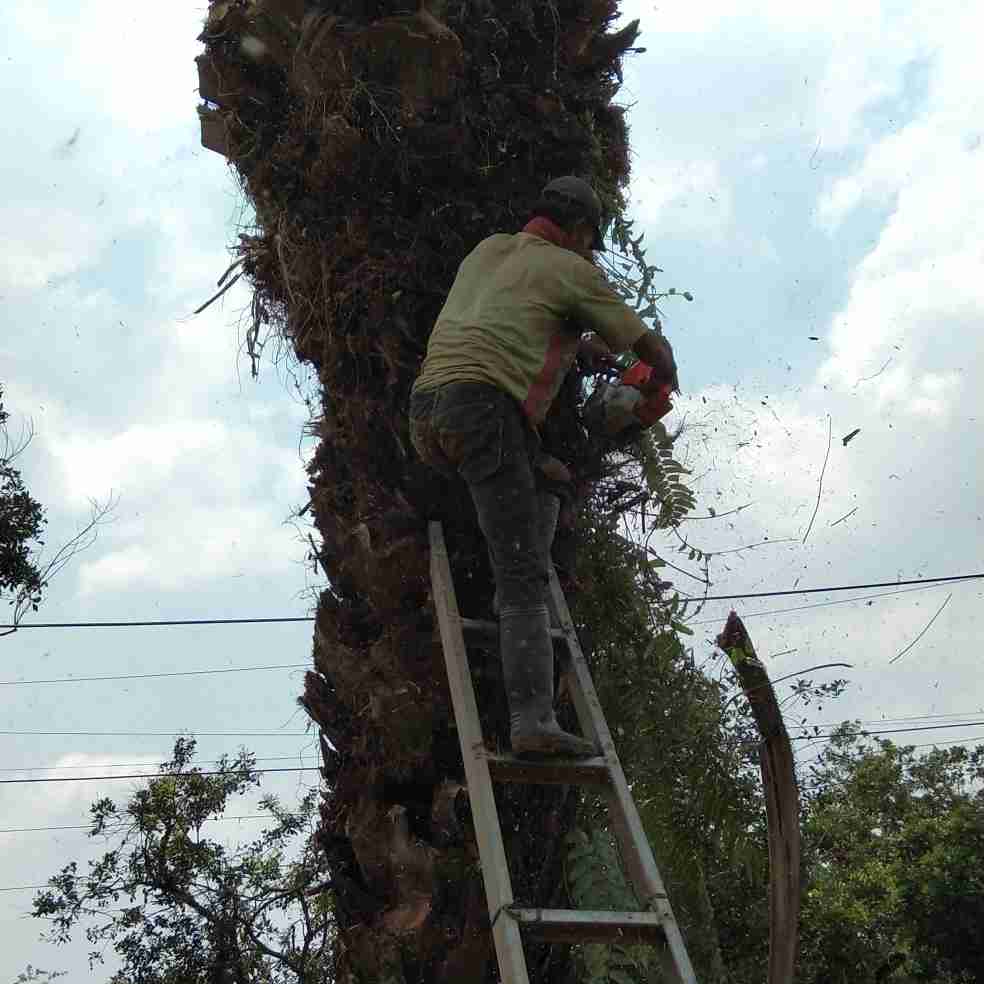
595	880
663	475
894	850
34	975
178	906
689	753
22	523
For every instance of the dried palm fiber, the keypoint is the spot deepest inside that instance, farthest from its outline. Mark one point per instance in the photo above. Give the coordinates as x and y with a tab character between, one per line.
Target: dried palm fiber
377	147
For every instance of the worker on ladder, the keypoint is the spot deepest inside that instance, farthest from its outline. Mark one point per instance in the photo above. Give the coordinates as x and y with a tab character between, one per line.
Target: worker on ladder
509	331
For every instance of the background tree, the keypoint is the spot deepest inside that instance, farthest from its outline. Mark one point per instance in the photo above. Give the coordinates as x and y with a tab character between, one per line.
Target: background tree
22	523
34	975
179	907
895	849
24	573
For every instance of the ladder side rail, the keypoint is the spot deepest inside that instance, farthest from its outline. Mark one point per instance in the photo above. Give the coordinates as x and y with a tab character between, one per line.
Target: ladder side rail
631	835
495	870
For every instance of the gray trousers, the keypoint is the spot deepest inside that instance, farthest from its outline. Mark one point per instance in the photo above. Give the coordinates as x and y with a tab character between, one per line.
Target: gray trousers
480	433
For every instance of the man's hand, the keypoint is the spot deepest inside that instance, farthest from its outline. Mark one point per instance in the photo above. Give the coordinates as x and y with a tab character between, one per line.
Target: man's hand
594	354
657	352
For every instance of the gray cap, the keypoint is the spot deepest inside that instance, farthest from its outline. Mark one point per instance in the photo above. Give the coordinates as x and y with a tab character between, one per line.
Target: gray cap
577	191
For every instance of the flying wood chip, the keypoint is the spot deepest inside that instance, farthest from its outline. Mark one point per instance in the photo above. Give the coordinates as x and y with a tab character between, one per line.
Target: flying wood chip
850	437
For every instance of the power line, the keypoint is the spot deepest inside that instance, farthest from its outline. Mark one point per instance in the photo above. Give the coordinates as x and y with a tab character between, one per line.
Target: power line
821	604
132	765
160	734
88	826
159	775
897	731
163	622
911	717
146	624
841	587
310	618
156	676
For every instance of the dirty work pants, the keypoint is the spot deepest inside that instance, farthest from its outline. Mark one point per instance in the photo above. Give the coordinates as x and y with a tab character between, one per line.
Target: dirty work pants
480	432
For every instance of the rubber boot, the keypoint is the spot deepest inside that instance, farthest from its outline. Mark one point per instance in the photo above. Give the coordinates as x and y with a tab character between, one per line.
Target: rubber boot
549	511
528	673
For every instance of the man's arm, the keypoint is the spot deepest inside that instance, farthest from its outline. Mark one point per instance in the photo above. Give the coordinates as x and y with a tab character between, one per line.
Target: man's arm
595	305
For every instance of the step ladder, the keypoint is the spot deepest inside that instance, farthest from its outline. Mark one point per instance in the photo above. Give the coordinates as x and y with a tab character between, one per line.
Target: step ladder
656	924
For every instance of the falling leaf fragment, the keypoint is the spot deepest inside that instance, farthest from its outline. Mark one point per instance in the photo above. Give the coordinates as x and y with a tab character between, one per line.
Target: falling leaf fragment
850	437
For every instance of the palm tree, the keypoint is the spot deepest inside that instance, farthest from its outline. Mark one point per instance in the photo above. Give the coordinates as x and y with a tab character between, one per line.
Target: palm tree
378	147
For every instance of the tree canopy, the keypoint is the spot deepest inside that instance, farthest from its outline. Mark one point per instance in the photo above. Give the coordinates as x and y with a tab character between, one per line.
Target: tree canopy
895	864
22	523
181	907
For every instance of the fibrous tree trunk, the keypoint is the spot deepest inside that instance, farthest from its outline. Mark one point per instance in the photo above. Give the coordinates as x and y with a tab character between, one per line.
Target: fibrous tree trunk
378	146
782	802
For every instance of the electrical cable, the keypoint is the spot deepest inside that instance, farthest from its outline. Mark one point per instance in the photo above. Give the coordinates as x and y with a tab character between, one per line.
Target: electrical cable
157	676
842	587
310	618
88	826
821	604
133	765
146	624
897	731
160	734
159	775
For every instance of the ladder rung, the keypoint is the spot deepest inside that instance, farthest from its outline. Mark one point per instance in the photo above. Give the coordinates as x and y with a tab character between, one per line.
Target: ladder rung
478	629
586	926
576	772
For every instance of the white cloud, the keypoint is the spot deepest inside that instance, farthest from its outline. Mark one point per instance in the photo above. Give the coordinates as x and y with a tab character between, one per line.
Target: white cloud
137	80
689	197
918	296
180	546
44	242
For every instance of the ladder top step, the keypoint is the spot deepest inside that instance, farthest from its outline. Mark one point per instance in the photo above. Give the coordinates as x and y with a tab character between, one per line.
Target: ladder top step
489	631
575	772
589	926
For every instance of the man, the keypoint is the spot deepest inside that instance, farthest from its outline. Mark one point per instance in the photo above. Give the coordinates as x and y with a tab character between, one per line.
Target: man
508	333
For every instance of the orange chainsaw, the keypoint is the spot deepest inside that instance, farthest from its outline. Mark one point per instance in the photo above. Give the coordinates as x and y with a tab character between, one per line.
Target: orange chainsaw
634	400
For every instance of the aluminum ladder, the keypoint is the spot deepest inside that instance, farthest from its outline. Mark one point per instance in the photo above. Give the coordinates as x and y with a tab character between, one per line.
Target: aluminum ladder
656	924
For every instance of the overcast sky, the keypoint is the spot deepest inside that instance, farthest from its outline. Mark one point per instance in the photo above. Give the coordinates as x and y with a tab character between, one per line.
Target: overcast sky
803	173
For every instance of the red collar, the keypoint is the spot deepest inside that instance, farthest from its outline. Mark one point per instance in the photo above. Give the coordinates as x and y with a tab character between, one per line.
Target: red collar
546	229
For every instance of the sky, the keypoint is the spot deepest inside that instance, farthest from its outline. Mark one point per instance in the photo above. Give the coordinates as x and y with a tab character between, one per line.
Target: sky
801	172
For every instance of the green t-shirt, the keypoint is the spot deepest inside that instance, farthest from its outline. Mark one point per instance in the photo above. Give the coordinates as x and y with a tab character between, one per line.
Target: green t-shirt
514	318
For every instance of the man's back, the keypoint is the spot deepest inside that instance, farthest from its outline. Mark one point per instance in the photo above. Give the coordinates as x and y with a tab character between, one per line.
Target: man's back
514	317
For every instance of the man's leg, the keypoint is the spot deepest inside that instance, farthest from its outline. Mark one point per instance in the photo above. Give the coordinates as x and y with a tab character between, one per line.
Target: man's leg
489	445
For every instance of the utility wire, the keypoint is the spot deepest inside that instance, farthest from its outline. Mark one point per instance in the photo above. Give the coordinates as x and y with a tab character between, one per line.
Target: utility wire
913	717
283	758
88	826
155	676
144	624
162	734
133	765
896	731
160	775
841	587
310	618
314	768
820	604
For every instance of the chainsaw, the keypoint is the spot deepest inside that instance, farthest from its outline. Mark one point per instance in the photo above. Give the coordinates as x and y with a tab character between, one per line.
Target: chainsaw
630	401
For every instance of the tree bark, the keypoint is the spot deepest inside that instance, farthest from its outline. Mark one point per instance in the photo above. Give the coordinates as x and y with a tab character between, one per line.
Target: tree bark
781	800
378	148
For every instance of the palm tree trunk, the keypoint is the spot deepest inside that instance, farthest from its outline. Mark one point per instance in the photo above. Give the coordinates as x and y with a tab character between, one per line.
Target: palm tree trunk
378	148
